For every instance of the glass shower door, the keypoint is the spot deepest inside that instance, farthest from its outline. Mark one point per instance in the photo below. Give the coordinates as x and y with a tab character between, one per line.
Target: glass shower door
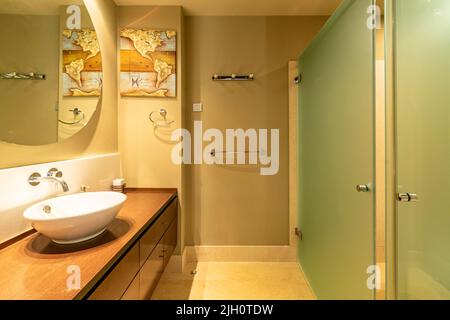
422	90
336	145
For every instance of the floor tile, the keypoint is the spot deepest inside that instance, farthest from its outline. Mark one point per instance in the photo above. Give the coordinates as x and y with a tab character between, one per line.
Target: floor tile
235	281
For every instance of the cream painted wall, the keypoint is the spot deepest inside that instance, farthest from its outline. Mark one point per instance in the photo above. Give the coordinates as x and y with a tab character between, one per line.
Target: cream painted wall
29	44
246	7
235	205
100	135
230	206
146	151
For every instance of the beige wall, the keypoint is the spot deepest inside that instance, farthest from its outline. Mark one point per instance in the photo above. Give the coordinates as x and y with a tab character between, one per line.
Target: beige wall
29	44
228	205
100	135
235	205
146	151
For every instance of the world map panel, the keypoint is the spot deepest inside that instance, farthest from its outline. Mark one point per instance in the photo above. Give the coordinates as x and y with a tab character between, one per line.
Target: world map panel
148	62
82	65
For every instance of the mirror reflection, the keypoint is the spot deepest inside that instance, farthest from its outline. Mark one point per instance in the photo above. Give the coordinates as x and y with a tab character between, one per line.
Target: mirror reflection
50	70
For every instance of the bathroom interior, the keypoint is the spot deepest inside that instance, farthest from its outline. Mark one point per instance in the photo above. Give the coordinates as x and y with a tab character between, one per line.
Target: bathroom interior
224	150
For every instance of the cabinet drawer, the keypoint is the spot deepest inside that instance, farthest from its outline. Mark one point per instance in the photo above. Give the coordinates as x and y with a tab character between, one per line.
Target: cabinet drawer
151	272
132	292
169	241
151	238
153	268
136	276
117	282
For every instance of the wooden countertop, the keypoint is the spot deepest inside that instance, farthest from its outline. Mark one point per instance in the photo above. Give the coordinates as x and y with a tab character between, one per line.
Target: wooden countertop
35	268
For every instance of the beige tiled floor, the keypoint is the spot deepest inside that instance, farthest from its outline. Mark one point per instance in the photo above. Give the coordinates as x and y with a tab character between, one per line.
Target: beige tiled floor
235	281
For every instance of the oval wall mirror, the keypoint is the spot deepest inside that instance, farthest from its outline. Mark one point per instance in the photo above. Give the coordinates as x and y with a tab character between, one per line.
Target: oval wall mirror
50	70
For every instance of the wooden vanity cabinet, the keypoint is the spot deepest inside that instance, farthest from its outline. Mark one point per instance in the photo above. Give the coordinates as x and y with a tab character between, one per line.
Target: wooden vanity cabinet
169	241
151	272
153	268
153	236
137	274
117	282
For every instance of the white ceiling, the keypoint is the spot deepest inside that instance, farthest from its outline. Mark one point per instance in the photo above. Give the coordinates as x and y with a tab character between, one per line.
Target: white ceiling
244	7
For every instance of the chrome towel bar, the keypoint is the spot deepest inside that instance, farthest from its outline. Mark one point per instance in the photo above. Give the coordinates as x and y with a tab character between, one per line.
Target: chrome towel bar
22	76
234	77
214	152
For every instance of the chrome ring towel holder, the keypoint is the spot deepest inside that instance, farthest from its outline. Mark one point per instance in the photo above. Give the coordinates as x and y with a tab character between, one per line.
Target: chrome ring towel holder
161	123
76	112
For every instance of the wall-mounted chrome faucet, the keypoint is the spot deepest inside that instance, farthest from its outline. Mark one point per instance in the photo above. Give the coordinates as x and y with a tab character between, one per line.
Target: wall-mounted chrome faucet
53	175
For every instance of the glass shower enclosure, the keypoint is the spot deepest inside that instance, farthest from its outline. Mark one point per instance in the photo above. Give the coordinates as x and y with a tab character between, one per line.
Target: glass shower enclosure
421	67
337	145
336	161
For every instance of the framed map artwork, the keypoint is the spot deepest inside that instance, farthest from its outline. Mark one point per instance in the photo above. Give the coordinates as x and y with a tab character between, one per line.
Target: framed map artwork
148	63
82	64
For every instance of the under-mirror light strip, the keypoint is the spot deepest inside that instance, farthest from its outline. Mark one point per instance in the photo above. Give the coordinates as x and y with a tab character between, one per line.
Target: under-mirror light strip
22	76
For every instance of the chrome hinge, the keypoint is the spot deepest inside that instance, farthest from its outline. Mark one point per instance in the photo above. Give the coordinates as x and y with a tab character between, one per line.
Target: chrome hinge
407	197
299	233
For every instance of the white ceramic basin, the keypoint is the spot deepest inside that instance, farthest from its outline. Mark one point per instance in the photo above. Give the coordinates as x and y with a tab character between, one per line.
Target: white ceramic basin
75	218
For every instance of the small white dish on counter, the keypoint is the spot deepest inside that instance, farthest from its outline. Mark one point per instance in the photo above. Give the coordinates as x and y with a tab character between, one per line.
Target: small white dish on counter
77	217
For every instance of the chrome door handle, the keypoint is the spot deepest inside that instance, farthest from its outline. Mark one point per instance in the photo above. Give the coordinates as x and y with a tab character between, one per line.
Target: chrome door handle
362	188
407	197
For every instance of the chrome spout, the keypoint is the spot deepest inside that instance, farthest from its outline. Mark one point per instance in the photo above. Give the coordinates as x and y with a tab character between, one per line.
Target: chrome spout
53	175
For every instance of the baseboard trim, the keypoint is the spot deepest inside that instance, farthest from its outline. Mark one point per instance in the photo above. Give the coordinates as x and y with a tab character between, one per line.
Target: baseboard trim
177	263
240	254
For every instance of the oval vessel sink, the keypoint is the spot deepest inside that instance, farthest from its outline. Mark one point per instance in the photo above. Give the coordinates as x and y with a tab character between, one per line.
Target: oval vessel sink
75	218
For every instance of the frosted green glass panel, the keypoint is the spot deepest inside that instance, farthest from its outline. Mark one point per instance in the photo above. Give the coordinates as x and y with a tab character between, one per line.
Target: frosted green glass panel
336	143
422	52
